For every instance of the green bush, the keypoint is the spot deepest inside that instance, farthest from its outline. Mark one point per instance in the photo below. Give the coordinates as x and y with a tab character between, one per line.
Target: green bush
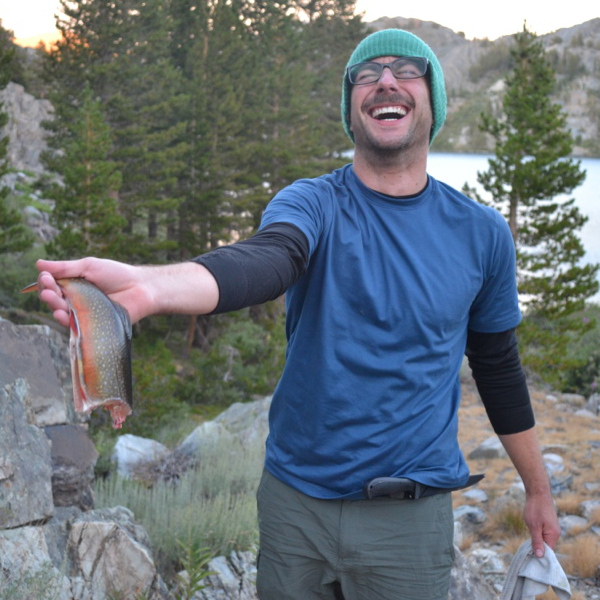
244	361
585	377
212	506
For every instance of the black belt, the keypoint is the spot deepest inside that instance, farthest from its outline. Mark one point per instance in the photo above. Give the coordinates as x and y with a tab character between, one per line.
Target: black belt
406	489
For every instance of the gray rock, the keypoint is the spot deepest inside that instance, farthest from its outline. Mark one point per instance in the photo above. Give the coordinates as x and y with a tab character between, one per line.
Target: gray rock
593	404
487	561
26	568
38	355
131	450
73	459
25	464
572	524
490	448
248	421
205	435
469	514
584	412
234	578
589	508
576	400
554	463
26	137
475	495
514	497
467	583
561	485
112	556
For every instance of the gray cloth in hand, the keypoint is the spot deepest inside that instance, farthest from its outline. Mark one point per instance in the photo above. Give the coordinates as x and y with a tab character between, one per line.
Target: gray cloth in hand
529	576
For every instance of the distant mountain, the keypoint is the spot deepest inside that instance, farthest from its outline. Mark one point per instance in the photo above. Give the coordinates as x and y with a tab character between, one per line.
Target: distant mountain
475	70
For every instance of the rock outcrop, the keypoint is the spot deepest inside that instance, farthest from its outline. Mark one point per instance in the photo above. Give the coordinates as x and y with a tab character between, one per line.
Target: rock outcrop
27	138
53	544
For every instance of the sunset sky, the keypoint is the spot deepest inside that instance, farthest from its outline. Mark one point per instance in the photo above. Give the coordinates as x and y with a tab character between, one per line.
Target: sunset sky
35	18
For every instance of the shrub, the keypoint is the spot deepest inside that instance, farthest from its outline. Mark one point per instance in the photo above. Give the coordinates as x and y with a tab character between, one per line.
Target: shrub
212	506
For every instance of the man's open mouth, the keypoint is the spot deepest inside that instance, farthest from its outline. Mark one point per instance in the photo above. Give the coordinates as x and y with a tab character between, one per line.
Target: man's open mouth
388	113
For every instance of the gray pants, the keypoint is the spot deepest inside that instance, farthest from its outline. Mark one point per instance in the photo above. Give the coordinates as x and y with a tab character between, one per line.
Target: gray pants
313	549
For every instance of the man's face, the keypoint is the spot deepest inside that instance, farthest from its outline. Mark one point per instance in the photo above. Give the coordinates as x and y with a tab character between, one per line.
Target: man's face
391	114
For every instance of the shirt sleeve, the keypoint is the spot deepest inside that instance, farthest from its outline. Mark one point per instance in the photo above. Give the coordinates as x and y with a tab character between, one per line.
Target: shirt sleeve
258	269
500	379
496	307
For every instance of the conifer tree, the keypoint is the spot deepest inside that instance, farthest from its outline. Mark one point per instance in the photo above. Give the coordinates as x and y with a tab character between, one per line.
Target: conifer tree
121	50
210	49
86	212
528	179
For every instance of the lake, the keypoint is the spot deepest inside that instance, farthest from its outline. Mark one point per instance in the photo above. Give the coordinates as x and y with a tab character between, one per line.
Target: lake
458	169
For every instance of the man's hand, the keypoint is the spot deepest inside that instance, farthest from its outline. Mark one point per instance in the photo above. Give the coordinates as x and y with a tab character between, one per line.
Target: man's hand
540	513
542	522
186	288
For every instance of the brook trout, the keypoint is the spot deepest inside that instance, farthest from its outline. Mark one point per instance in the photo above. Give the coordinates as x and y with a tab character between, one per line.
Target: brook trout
100	349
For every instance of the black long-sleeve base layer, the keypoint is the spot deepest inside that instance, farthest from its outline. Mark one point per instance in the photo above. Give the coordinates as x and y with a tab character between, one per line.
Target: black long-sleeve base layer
263	267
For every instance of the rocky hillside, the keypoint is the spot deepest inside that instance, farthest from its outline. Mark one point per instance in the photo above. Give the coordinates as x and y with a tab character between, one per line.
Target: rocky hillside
475	70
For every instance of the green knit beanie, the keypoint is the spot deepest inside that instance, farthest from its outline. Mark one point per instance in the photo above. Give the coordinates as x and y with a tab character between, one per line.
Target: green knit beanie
397	42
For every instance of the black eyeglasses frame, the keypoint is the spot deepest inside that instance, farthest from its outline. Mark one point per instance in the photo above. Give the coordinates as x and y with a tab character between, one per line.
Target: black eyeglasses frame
419	61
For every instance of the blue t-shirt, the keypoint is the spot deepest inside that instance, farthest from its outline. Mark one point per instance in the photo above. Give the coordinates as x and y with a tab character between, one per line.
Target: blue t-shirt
377	330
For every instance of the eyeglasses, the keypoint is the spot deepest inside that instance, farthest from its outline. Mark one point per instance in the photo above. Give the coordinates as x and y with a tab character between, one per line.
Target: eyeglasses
405	67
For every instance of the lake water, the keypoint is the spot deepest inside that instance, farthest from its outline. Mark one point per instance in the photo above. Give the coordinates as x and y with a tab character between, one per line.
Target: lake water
458	169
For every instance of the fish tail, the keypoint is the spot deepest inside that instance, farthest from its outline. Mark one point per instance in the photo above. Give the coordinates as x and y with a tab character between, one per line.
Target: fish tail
32	287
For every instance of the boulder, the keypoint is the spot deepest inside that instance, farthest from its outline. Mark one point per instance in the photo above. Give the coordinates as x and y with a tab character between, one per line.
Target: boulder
38	355
112	556
131	451
590	508
593	404
491	448
73	459
247	422
554	463
26	136
233	578
25	463
467	583
206	434
26	568
572	524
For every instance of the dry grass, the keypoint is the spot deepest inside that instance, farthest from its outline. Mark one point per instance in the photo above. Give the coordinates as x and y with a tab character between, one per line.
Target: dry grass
505	524
582	556
561	432
595	518
550	595
568	504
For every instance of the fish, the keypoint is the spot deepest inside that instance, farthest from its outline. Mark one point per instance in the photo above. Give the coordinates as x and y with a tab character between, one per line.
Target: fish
99	348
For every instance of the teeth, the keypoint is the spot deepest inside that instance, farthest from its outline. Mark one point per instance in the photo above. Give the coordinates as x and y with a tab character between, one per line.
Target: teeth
398	110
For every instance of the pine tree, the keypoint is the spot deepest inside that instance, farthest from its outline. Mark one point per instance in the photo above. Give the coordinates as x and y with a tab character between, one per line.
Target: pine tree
85	211
121	50
527	179
211	51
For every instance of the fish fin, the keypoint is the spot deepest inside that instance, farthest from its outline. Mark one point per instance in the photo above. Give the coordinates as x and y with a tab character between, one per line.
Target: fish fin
124	372
124	317
32	287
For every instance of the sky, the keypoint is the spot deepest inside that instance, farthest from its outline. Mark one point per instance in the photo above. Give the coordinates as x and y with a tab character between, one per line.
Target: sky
35	18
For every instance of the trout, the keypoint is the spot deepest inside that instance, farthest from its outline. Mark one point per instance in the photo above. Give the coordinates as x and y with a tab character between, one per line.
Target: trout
100	349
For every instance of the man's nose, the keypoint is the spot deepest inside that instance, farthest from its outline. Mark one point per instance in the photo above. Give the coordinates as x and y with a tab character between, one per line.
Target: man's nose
387	78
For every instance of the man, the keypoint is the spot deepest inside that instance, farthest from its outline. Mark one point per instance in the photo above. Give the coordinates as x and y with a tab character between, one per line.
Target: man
389	275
